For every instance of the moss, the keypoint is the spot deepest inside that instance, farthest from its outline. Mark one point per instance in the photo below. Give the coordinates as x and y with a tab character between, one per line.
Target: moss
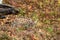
5	37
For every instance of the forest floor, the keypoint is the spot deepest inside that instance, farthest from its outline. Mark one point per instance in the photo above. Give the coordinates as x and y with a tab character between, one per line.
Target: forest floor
37	20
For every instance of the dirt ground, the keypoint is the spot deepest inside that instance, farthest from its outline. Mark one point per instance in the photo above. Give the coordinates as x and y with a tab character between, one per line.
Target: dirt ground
37	20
